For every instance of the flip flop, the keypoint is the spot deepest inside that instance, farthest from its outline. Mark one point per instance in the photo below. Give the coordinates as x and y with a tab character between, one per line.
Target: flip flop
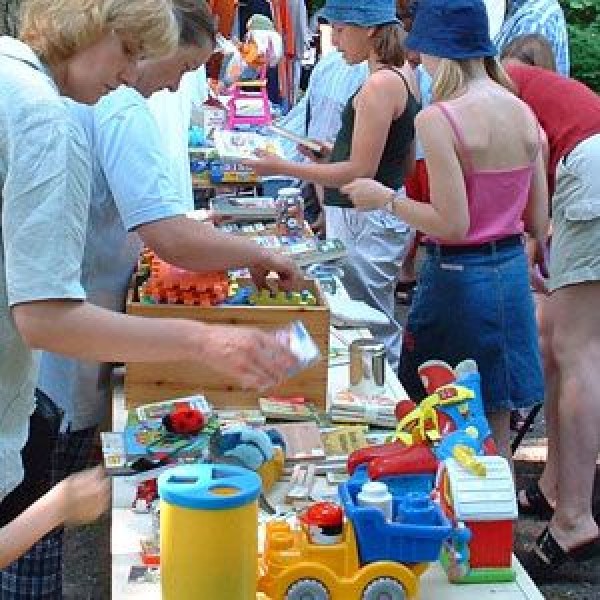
537	504
552	555
544	560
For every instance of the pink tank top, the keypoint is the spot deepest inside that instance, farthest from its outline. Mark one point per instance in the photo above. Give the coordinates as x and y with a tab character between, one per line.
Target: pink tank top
496	198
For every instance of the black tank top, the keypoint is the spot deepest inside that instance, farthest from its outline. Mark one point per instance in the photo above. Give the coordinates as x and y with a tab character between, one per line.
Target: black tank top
393	160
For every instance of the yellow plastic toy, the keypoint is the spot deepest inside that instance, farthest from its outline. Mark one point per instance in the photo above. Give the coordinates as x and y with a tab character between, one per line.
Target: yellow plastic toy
208	518
293	568
422	423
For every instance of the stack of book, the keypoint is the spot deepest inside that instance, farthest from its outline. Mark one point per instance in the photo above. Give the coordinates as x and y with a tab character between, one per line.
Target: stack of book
350	407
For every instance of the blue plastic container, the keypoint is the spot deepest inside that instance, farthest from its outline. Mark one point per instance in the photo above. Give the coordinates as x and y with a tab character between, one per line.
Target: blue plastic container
417	538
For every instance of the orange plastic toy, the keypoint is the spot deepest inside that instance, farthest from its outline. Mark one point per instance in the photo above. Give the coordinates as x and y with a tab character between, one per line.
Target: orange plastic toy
167	284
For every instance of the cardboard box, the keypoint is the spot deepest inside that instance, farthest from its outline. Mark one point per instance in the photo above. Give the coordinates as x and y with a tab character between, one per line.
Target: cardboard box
148	382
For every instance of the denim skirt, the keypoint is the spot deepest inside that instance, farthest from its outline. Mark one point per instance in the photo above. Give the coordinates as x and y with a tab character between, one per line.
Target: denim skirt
476	304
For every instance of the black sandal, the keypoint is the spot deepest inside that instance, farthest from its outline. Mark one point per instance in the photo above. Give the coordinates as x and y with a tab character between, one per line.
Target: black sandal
537	504
552	555
544	560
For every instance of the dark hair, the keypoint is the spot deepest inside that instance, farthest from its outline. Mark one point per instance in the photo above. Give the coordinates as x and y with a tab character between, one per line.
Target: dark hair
388	44
532	49
197	24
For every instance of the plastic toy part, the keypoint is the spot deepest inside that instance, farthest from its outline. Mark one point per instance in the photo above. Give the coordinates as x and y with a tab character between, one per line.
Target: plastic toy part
267	297
294	568
483	510
184	421
166	284
415	536
216	504
325	522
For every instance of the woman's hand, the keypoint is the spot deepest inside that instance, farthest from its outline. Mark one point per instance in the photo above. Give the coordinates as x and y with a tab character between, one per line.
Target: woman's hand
266	163
538	264
367	194
321	156
290	276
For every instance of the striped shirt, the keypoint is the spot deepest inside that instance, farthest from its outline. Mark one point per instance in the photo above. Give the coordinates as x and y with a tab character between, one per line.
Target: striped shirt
331	83
545	17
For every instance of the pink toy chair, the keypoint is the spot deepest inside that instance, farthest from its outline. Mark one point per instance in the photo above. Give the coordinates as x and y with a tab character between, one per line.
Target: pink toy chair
250	91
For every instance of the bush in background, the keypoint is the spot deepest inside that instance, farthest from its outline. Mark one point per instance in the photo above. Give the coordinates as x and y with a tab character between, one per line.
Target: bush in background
583	18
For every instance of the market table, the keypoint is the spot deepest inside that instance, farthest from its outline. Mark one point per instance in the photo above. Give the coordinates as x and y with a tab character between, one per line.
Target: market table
128	527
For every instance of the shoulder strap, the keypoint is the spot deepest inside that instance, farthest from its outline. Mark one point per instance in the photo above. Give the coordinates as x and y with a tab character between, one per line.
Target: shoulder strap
462	148
398	72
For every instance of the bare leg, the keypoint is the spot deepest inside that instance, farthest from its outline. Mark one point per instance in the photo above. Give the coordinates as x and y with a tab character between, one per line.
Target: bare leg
500	425
549	477
576	344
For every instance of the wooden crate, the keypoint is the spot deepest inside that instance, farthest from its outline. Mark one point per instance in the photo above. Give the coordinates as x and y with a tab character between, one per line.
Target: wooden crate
149	382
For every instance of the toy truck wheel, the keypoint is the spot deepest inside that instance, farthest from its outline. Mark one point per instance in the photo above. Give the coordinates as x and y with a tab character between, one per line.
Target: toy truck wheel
307	589
384	588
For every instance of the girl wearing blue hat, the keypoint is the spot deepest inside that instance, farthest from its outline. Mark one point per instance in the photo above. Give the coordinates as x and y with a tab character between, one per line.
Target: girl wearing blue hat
487	185
375	140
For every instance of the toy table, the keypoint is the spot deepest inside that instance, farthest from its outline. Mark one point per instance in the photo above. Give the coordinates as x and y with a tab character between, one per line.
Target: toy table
129	527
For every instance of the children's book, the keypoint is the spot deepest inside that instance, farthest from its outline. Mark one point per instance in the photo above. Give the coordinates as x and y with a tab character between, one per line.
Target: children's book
298	139
240	416
243	145
341	441
305	251
146	445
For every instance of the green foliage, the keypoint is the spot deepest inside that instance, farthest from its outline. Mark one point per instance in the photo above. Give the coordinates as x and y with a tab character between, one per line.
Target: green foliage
583	18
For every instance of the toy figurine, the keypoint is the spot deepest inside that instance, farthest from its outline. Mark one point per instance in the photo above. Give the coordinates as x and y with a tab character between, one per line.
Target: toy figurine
324	521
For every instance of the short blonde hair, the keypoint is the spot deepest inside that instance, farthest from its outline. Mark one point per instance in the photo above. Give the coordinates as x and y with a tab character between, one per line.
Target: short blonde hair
58	29
452	76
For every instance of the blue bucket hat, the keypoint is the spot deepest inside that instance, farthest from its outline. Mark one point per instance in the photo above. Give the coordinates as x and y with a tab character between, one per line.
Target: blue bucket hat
455	29
364	13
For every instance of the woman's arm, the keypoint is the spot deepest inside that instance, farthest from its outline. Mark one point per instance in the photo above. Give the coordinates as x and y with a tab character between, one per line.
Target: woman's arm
374	115
535	216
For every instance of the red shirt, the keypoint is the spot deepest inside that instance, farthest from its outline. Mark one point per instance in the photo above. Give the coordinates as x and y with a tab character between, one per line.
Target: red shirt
568	111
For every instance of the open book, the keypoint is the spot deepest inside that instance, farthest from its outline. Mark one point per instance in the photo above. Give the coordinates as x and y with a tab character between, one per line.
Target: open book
243	145
298	139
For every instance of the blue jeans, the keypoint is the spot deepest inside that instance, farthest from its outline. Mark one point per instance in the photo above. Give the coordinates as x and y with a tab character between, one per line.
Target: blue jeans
476	305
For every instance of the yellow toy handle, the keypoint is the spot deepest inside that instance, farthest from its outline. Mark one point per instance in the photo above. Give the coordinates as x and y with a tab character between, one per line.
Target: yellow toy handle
425	416
465	456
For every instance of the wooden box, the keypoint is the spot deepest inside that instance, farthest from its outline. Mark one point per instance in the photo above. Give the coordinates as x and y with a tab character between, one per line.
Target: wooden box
149	382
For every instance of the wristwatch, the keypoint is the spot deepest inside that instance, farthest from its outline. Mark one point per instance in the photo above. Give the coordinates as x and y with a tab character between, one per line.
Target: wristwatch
389	203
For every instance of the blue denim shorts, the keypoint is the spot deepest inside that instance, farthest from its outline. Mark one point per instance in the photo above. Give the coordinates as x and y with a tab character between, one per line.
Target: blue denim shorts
476	304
